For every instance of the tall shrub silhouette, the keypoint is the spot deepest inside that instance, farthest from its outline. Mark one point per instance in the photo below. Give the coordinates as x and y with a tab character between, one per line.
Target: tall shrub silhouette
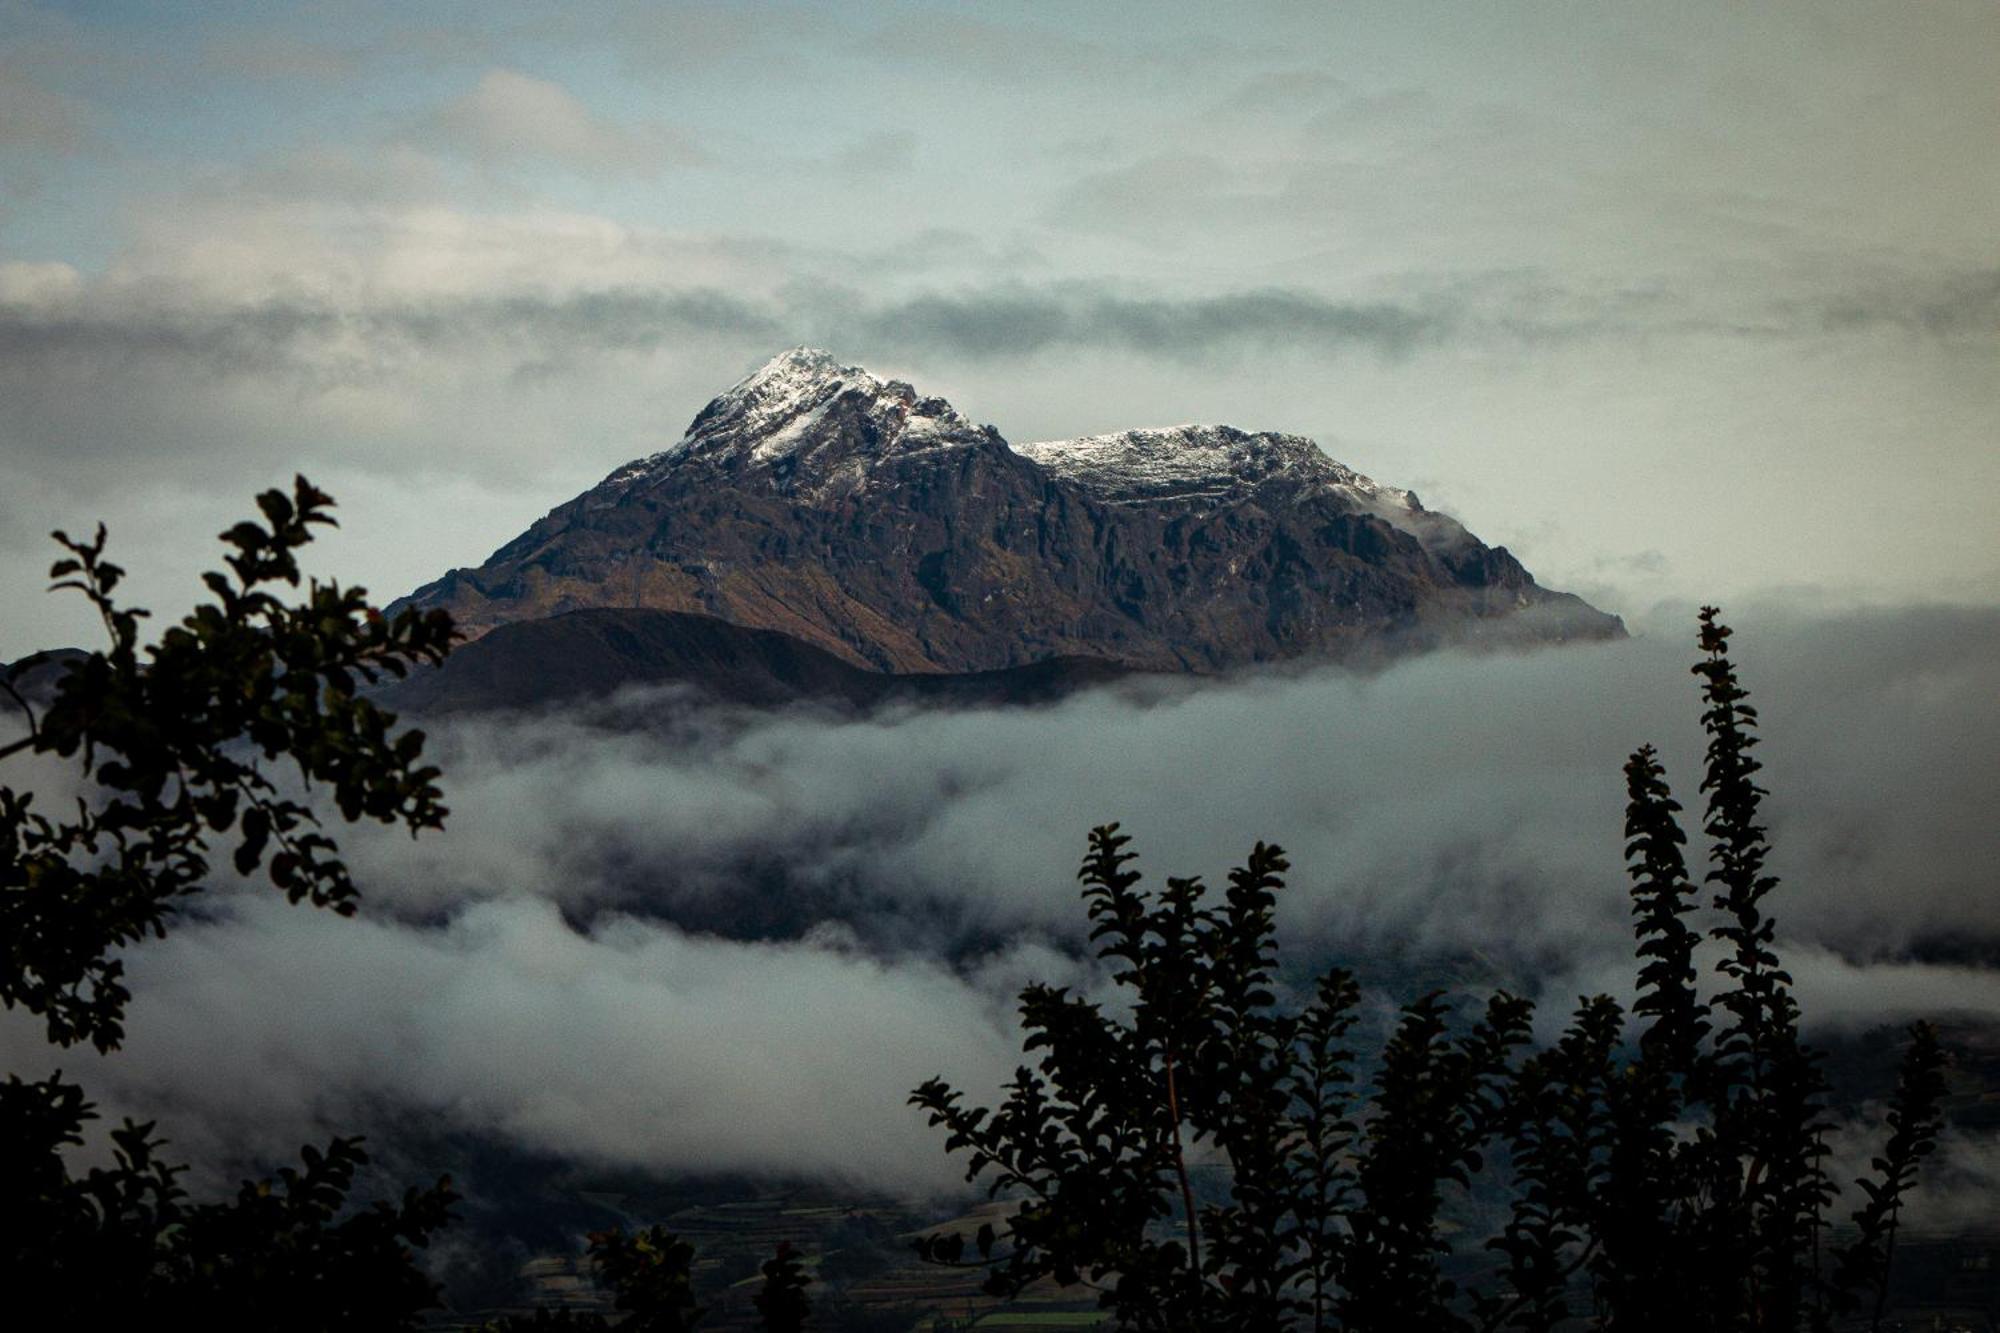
1660	1170
182	750
186	751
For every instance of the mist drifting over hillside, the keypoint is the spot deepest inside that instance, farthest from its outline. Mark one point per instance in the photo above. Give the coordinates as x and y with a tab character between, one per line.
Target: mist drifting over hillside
733	941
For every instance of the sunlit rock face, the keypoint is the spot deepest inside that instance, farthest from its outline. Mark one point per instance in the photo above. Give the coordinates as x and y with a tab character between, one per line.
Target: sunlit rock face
885	527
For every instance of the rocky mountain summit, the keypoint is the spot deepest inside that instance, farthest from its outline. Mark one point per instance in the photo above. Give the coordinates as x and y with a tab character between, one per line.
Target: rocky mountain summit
886	528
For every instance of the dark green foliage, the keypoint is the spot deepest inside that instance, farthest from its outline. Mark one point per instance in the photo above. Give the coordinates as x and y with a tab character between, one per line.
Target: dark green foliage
121	1246
1557	1132
1320	1220
1763	1087
1914	1125
180	746
1661	898
1320	1136
1437	1103
782	1302
650	1275
1666	1178
178	738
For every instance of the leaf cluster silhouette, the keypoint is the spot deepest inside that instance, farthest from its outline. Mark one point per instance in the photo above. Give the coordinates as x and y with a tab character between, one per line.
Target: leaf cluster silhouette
1663	1169
203	744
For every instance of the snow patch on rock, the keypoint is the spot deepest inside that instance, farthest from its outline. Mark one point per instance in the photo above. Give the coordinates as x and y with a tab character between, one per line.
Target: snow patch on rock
1153	464
1220	462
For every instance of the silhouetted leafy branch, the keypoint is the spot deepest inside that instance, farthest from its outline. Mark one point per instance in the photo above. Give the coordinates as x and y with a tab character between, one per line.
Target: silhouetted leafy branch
1914	1125
121	1244
178	739
1672	1176
199	742
178	748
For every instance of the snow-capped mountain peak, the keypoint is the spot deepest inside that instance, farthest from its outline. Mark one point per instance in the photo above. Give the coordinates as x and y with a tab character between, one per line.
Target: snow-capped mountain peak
789	385
806	405
847	510
819	429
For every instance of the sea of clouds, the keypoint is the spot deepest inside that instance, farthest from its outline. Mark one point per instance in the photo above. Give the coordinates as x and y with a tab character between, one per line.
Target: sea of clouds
558	971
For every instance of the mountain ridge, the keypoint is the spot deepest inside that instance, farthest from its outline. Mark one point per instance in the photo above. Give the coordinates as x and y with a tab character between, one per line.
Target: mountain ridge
886	527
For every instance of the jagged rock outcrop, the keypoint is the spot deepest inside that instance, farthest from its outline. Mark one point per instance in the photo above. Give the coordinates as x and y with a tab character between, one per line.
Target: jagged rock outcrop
886	528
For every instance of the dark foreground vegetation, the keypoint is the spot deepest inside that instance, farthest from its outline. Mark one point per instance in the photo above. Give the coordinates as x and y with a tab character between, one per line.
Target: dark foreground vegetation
1668	1173
1662	1169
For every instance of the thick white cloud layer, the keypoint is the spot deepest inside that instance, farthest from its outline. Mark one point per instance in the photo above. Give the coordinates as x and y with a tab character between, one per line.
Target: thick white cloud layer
633	1045
520	975
1458	801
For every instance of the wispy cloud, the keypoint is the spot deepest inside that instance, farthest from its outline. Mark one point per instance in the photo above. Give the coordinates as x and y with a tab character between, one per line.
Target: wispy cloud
1955	306
331	339
511	118
1026	321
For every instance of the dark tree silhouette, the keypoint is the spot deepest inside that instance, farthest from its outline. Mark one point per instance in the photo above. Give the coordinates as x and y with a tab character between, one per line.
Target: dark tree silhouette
189	748
782	1303
179	741
1662	1174
183	747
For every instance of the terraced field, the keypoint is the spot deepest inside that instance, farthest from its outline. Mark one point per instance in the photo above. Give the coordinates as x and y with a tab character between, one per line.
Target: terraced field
858	1250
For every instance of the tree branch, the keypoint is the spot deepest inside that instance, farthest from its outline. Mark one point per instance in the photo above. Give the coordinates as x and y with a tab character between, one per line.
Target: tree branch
1180	1170
27	710
1509	1311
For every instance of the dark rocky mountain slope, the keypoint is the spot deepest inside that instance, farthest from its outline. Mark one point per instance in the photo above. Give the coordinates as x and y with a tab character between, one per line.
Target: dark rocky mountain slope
593	653
887	529
34	678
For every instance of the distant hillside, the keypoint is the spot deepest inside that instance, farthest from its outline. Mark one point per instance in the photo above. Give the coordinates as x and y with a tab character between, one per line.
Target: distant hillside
592	653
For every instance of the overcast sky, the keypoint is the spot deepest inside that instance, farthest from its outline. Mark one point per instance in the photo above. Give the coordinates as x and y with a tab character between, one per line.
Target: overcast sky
1677	302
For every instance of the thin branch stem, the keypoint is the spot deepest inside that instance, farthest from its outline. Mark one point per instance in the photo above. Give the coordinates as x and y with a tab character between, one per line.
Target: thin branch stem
1180	1170
1888	1263
1509	1311
27	710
